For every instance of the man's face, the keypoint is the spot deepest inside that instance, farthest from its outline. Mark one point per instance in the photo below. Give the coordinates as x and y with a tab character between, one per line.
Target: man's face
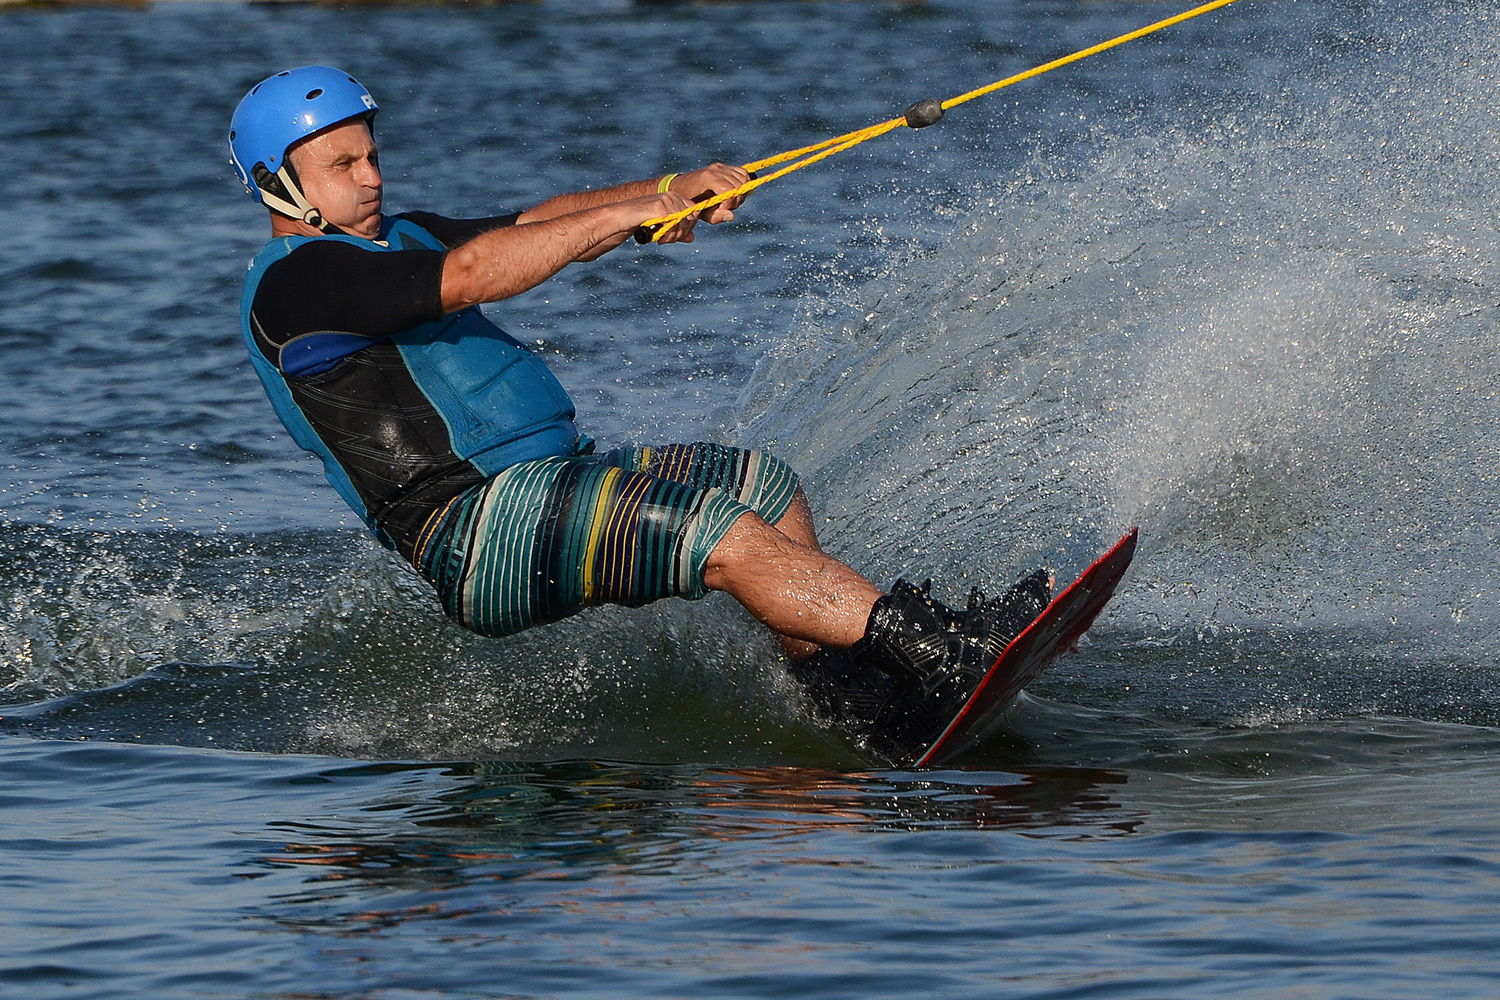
339	171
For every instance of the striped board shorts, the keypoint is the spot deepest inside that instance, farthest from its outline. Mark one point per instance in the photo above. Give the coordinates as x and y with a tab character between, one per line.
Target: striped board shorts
545	539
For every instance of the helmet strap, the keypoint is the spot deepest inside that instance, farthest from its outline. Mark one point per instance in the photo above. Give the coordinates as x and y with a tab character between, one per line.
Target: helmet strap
280	193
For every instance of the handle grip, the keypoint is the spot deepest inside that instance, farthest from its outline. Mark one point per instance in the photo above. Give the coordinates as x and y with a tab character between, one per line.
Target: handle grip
643	234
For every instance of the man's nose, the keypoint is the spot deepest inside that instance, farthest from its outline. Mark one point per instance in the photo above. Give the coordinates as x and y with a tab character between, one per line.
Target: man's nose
368	174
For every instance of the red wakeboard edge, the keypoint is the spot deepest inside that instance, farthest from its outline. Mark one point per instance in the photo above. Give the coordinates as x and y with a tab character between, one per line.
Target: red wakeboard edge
1048	636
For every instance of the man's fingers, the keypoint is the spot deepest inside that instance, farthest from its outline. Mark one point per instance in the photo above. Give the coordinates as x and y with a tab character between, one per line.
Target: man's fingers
682	232
715	179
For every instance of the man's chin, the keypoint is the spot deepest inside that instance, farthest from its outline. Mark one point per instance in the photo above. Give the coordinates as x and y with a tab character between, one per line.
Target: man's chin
368	227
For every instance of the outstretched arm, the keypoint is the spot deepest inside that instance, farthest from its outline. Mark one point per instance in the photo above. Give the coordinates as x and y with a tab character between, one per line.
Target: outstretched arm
710	180
510	260
574	227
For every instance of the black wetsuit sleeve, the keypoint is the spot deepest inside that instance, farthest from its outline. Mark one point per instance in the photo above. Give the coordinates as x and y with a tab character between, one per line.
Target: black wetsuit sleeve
326	285
333	286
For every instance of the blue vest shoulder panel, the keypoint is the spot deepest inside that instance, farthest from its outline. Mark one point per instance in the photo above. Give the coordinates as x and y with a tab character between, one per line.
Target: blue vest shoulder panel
500	403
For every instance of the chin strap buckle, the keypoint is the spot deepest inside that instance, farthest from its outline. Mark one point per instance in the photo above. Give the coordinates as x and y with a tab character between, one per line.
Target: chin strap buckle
281	194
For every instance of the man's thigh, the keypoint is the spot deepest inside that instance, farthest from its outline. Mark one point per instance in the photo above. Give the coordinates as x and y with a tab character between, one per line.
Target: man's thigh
543	540
756	479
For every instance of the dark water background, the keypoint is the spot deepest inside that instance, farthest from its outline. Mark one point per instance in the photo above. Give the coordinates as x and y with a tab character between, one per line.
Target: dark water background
1236	283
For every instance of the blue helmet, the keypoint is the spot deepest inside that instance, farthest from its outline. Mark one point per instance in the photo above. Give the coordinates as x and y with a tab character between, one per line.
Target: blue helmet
283	109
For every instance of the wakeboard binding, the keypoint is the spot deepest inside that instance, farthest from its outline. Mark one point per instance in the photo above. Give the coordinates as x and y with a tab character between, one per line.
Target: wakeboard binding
897	688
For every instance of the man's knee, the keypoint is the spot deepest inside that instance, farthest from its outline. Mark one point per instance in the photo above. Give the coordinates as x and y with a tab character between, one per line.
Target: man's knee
746	545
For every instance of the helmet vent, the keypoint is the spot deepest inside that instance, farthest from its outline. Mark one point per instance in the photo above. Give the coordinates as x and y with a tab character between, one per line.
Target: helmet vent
314	94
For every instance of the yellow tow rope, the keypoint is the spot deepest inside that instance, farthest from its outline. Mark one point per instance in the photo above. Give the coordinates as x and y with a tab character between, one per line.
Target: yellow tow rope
822	150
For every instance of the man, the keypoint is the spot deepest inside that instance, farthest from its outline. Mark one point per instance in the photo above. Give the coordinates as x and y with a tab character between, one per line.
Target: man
458	448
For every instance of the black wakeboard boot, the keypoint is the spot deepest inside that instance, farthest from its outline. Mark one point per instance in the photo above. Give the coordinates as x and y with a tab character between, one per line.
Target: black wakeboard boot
1007	616
898	687
851	696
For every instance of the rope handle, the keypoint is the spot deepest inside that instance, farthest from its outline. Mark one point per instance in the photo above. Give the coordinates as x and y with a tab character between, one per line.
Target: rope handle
648	232
915	117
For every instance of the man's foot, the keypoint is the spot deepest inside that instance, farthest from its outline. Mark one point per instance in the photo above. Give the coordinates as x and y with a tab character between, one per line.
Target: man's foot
848	695
941	653
1009	614
919	661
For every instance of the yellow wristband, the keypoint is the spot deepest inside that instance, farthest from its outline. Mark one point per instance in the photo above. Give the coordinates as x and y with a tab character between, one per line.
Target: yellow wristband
666	182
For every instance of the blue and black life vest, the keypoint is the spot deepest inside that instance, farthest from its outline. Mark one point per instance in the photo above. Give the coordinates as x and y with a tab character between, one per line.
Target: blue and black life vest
498	404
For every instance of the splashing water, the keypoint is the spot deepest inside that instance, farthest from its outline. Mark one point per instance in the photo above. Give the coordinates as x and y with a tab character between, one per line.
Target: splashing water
1263	335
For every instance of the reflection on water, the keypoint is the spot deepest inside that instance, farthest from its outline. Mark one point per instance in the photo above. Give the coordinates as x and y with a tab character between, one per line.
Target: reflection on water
492	823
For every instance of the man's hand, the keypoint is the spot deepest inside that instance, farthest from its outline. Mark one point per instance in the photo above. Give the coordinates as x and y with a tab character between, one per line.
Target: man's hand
628	216
682	232
704	183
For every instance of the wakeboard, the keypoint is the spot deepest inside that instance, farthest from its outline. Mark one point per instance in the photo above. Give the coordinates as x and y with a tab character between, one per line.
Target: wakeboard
1050	634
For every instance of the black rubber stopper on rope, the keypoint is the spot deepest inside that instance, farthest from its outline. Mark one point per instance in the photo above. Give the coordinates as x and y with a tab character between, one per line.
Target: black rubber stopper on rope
924	113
